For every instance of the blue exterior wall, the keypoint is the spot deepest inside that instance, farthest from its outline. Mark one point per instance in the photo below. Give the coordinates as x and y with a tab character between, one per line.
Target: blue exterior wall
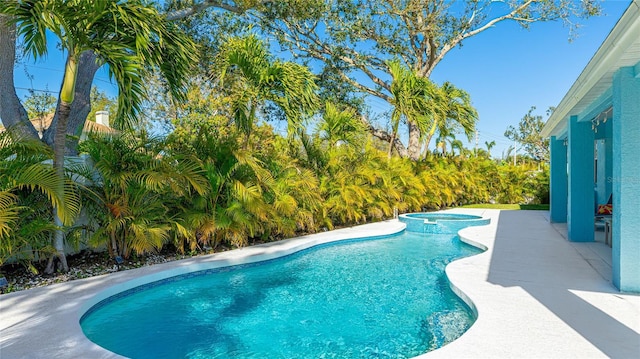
626	179
608	165
558	182
581	198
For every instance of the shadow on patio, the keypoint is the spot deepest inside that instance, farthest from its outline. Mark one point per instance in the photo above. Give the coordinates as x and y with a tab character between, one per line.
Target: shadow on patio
566	278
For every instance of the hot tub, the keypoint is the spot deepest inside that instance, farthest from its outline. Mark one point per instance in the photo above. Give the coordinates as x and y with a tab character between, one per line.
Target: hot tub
439	222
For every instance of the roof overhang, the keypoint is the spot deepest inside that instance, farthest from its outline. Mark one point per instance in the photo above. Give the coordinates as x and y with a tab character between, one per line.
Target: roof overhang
591	93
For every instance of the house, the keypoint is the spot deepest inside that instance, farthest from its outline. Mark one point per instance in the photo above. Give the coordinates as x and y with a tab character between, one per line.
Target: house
101	125
595	149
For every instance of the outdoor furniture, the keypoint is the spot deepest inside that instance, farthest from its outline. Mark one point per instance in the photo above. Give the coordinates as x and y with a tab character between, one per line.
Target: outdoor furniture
607	229
604	221
603	217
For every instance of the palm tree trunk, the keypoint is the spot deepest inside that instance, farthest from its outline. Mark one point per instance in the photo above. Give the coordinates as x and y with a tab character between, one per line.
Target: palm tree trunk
384	136
113	247
391	141
80	107
414	141
64	108
58	164
12	112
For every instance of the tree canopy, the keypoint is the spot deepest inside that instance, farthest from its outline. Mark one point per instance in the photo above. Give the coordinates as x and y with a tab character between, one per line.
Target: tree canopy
355	39
348	42
527	134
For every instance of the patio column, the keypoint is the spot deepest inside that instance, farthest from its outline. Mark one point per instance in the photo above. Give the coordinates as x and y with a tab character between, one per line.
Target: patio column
626	179
608	152
558	181
581	197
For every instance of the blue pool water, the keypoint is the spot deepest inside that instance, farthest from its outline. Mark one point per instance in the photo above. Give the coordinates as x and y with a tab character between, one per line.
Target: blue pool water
382	298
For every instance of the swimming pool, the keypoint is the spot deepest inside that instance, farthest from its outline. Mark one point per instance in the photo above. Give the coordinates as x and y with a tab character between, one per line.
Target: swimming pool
439	222
386	297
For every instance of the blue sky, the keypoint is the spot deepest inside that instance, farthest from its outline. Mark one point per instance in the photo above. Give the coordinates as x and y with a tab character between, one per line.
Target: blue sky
506	70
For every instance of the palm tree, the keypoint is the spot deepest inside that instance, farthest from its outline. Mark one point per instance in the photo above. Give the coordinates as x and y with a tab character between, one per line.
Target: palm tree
249	75
336	128
444	137
457	144
23	174
490	145
339	127
412	99
427	107
453	112
128	36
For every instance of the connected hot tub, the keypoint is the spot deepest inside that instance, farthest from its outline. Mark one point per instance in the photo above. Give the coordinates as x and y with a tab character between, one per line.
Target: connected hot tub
439	222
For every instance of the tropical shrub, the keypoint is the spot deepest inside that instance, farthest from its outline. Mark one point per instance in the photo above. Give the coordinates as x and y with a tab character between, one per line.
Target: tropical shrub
128	186
210	184
257	190
29	188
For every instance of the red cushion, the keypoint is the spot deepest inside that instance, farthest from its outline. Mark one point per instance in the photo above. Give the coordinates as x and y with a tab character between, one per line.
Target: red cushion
605	209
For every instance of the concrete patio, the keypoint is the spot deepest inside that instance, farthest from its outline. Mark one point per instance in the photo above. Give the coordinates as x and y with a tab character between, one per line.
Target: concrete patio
537	295
541	296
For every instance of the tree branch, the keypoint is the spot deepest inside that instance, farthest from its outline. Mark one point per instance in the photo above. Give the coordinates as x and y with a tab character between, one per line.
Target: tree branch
453	43
317	48
363	88
385	136
196	8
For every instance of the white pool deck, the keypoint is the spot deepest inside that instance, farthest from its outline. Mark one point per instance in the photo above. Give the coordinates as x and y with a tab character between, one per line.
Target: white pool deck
537	295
